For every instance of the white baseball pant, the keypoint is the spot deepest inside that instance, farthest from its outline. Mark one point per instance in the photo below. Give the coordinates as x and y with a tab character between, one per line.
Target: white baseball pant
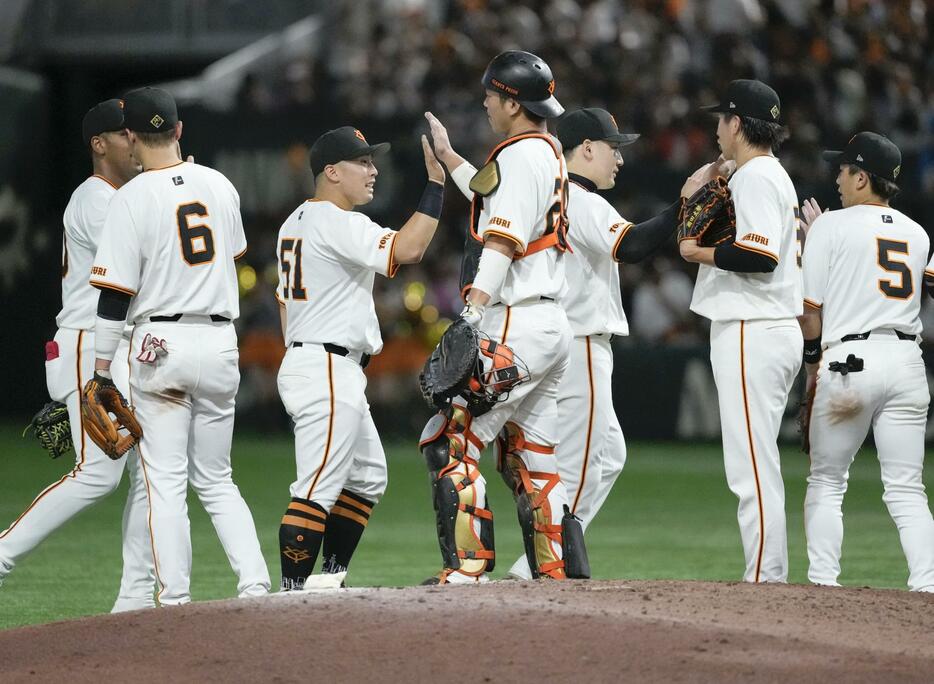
591	451
94	476
336	443
891	396
185	405
754	366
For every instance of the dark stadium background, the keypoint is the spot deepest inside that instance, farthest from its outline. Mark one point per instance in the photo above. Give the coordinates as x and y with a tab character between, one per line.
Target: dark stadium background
258	81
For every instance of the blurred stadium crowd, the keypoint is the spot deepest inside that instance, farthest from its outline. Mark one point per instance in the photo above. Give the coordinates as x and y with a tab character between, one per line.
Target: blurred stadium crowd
840	66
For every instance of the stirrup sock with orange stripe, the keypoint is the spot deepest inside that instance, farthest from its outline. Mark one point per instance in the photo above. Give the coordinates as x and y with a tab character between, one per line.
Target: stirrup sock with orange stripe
346	523
540	536
464	520
300	536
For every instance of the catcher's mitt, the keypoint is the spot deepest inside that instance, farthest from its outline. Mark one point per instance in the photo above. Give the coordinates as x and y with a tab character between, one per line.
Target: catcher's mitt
469	364
52	428
708	215
99	399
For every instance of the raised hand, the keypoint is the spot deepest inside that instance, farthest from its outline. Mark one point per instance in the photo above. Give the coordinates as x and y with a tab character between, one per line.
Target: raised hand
432	165
810	210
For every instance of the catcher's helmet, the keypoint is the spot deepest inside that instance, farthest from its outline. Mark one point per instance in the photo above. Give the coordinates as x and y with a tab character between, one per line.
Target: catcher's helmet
526	78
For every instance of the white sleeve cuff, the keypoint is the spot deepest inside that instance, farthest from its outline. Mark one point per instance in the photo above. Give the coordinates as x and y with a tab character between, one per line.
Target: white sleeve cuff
107	335
491	273
462	176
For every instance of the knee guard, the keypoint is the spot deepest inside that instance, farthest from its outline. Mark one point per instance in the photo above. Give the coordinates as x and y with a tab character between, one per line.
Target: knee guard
464	521
539	534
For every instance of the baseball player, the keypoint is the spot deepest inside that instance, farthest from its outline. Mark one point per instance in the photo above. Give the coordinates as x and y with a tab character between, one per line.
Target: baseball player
591	450
329	256
166	264
518	229
863	272
70	363
750	290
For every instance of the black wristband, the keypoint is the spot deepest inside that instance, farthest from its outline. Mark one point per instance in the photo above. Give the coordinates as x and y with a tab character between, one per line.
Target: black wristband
812	351
432	200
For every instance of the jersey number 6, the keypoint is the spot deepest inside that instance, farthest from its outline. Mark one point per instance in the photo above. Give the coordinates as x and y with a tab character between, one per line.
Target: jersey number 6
197	240
904	289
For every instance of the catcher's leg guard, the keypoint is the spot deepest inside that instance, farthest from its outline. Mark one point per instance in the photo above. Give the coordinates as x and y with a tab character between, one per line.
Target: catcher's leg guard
540	536
346	523
574	552
465	522
300	536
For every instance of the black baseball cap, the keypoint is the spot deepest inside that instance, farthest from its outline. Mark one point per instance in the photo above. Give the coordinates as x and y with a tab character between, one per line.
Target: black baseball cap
871	152
746	97
342	144
103	117
149	110
592	123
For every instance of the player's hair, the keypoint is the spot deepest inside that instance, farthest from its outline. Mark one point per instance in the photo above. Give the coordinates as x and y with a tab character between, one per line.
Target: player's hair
161	139
761	133
534	118
881	187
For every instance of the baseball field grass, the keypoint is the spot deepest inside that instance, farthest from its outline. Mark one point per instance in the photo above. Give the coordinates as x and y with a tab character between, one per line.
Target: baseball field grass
670	516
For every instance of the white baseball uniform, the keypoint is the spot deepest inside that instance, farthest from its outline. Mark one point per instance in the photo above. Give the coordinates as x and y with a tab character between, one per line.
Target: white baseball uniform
863	270
170	240
69	365
755	351
591	450
525	315
328	261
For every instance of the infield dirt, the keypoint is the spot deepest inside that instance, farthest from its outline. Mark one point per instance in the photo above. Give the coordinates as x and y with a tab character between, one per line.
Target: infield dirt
501	632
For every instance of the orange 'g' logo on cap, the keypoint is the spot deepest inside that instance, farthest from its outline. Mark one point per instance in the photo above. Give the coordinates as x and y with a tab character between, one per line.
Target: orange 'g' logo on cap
121	104
551	87
357	133
613	119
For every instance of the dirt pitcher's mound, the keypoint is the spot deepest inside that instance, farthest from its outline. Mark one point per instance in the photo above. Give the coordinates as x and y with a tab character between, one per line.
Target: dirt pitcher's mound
502	632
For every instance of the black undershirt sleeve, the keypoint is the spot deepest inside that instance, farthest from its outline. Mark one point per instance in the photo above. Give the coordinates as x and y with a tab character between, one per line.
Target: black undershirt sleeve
113	305
644	238
732	258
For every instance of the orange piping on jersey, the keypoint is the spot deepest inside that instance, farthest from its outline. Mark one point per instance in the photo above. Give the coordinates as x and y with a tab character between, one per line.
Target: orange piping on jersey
77	467
391	267
622	234
327	446
929	272
811	303
583	478
507	236
506	324
109	286
763	252
240	255
106	180
752	449
161	168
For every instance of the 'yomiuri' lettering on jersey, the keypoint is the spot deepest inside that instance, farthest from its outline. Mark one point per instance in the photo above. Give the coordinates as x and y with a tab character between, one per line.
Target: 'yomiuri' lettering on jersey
172	244
863	268
533	181
766	223
84	222
328	260
593	302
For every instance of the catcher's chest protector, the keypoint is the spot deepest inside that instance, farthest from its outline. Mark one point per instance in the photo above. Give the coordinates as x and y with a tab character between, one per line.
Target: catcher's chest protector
555	234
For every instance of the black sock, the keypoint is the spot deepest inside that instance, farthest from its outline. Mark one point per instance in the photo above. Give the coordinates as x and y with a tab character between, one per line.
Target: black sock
300	536
346	523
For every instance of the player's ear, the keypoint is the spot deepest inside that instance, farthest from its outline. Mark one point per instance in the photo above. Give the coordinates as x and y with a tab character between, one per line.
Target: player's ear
97	145
331	173
178	131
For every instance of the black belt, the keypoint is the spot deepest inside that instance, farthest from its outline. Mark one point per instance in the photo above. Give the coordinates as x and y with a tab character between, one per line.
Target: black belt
175	318
857	337
339	350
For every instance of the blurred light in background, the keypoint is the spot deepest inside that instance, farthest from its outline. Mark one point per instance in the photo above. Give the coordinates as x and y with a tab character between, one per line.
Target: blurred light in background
414	296
246	277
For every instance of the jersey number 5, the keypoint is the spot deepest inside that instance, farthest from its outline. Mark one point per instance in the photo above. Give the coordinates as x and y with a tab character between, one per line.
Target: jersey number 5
291	269
904	289
197	240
